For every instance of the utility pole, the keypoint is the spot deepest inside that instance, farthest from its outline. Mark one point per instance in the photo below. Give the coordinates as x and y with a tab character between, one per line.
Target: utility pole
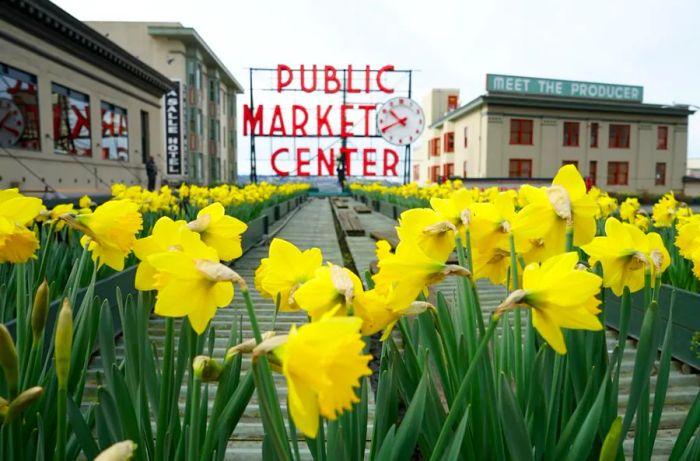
340	168
253	167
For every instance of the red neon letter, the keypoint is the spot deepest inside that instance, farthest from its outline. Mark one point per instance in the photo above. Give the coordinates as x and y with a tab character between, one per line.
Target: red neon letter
299	124
366	162
346	152
330	75
327	162
390	166
273	161
282	83
367	72
301	163
367	108
277	123
303	79
379	79
349	87
345	124
251	122
322	120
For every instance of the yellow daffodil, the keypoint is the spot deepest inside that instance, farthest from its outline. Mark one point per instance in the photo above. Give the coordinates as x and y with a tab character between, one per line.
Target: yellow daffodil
455	208
664	211
220	231
629	209
17	242
191	282
55	213
553	210
409	264
383	306
491	225
166	236
492	263
109	231
85	202
332	288
560	296
688	239
286	269
323	363
430	230
625	254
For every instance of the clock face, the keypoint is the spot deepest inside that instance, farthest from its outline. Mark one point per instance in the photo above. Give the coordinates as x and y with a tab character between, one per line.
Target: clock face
11	123
400	121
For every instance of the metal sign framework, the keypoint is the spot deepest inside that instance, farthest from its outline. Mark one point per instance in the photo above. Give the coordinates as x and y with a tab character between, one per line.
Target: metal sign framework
343	93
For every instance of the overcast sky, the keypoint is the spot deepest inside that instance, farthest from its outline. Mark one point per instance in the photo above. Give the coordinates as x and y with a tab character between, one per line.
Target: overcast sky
453	44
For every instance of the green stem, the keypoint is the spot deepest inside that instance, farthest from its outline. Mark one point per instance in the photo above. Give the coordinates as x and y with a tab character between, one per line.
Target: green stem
194	418
251	314
569	238
20	281
519	372
61	426
165	383
456	410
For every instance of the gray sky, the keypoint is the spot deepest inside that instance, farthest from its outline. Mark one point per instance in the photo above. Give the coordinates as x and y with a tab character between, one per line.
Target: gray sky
453	44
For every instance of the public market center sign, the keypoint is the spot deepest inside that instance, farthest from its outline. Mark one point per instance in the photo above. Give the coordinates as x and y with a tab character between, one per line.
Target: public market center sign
562	88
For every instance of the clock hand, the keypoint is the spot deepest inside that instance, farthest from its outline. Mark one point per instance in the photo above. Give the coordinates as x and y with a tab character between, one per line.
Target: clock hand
4	119
401	120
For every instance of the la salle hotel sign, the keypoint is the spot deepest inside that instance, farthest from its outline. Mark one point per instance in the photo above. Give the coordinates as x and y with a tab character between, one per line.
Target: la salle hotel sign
562	88
398	120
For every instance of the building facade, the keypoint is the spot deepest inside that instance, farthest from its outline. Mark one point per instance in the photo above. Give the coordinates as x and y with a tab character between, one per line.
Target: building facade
208	91
76	111
615	140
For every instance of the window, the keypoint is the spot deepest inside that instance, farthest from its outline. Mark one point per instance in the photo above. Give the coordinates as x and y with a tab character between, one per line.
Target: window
434	147
71	121
145	144
618	173
464	169
662	138
594	134
593	172
115	134
20	88
571	134
570	162
521	131
452	102
660	178
449	141
434	173
448	170
520	168
619	136
466	136
416	172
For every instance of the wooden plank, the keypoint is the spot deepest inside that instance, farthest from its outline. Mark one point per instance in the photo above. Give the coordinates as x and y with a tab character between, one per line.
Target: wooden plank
350	223
389	235
362	209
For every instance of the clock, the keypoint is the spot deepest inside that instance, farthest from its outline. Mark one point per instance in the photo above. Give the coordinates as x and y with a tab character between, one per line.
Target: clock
400	121
11	123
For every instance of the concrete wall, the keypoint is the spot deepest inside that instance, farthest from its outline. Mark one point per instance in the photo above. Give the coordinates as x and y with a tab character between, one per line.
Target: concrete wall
65	173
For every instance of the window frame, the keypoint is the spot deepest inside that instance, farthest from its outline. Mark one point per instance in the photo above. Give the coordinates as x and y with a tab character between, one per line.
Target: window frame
614	178
662	142
520	162
595	134
517	126
660	181
616	139
449	142
466	137
593	171
572	131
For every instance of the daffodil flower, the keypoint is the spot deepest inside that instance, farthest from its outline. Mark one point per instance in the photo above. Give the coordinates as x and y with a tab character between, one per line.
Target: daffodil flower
165	236
17	243
220	231
625	254
559	296
323	363
284	271
430	230
332	288
628	209
455	209
664	211
109	231
553	210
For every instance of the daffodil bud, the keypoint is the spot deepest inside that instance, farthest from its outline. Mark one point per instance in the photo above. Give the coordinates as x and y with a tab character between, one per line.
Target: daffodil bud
22	402
120	451
206	369
268	345
63	343
4	408
514	298
440	228
40	311
8	359
248	345
559	198
343	283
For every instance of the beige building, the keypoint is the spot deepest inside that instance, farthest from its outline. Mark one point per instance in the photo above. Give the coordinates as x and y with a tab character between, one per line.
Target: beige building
77	112
528	128
208	90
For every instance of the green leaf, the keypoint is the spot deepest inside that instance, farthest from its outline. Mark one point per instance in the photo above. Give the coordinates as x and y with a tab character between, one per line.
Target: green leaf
81	430
589	429
410	428
612	441
662	376
513	424
690	425
453	449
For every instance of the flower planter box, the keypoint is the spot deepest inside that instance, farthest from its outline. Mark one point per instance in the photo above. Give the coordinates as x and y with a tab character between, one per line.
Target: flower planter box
386	208
398	209
257	228
686	320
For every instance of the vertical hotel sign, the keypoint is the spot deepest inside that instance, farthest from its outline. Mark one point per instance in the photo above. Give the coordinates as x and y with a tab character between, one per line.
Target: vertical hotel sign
173	130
